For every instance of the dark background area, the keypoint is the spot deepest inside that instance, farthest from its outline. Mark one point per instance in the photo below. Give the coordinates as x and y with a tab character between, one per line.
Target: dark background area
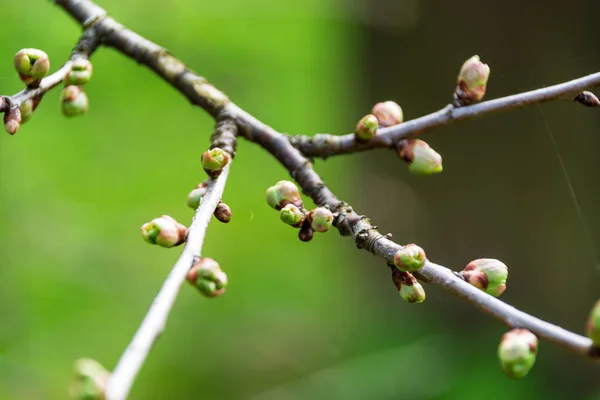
301	320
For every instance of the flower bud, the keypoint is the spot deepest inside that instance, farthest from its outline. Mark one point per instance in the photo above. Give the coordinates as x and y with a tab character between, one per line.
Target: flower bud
27	108
206	275
592	328
214	160
409	288
517	352
410	258
164	231
588	99
388	113
282	194
12	120
306	233
32	65
320	219
421	159
193	199
80	72
292	215
472	81
222	212
487	274
90	380
73	101
366	129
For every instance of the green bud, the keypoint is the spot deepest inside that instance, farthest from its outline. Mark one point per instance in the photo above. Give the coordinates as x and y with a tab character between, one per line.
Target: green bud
366	129
517	352
592	328
388	113
214	160
32	65
472	81
487	274
410	258
73	101
193	199
222	212
292	215
80	72
408	286
164	231
90	380
27	108
320	219
421	159
12	120
282	194
206	275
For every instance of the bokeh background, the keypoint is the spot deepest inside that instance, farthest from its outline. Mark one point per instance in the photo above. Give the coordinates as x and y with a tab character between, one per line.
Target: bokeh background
318	320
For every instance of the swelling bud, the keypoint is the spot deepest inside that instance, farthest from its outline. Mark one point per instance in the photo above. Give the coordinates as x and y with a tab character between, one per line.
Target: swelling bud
592	328
73	101
410	258
206	275
420	157
408	287
164	231
471	82
12	120
214	160
366	129
320	219
517	352
80	72
388	113
487	274
283	193
31	65
292	215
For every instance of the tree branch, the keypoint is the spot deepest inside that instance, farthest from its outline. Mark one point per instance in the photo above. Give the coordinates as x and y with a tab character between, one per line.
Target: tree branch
326	145
292	152
206	96
86	45
154	323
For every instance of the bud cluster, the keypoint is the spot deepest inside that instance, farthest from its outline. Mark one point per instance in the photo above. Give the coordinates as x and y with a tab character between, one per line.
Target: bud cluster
206	275
384	114
284	196
73	100
164	231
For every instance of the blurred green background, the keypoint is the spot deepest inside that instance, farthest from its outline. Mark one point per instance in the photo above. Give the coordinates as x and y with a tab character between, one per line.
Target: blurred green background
318	320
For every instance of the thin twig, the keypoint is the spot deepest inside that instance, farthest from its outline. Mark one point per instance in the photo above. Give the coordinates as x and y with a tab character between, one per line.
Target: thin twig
326	145
154	323
86	45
